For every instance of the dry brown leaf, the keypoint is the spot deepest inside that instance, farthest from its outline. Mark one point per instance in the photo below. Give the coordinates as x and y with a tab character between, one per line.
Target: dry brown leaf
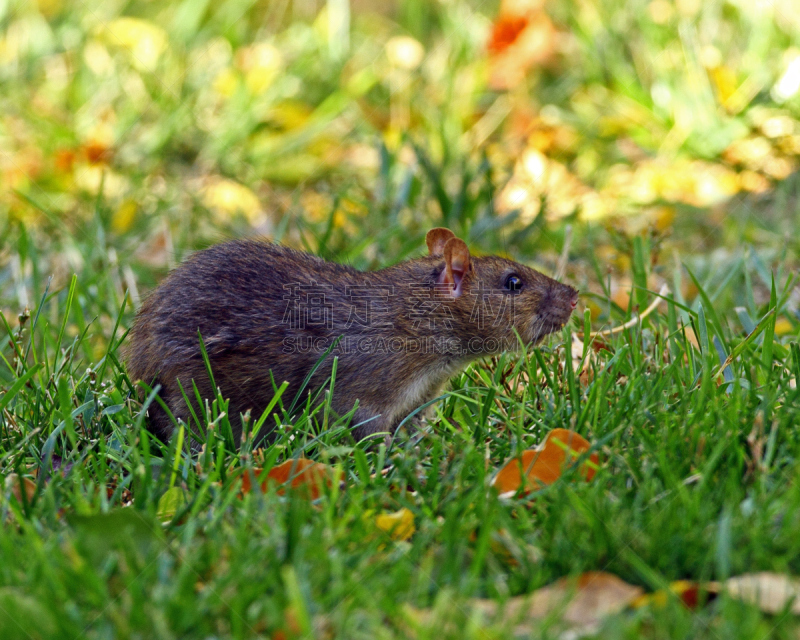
544	465
18	485
770	592
299	472
583	367
581	602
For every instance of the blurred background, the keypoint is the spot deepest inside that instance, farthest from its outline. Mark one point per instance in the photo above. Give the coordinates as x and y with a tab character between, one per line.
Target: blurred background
569	134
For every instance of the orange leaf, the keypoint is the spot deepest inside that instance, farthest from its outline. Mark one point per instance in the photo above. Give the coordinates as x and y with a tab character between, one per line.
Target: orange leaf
519	42
297	472
97	153
544	465
65	159
505	31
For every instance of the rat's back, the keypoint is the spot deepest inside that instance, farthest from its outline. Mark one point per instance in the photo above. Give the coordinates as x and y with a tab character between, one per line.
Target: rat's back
242	296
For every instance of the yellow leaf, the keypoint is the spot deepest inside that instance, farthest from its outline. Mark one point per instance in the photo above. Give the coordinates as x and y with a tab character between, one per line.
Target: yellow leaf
259	79
724	80
783	327
753	182
661	11
316	205
778	167
662	217
96	57
778	126
124	216
713	184
227	198
751	152
687	591
226	82
290	114
144	40
49	8
261	64
537	178
91	178
399	525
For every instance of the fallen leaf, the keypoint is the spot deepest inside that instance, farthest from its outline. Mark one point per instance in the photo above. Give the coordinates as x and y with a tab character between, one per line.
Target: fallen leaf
687	591
580	602
123	218
583	366
583	602
170	503
145	41
399	525
227	197
505	32
297	472
19	486
261	64
753	182
770	592
783	326
96	152
522	37
64	160
544	465
537	180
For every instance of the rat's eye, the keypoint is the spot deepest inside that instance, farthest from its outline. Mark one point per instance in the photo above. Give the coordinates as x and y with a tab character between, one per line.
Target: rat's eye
513	282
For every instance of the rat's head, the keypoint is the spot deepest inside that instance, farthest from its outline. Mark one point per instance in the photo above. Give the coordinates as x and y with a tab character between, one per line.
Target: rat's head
494	296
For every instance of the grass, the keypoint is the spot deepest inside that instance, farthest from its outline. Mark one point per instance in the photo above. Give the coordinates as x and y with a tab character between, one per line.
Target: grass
119	169
697	481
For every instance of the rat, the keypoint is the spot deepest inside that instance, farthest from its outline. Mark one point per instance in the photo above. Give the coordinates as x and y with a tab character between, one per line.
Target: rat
268	314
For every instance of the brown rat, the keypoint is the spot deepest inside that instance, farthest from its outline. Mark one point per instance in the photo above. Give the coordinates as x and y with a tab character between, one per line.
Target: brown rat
405	330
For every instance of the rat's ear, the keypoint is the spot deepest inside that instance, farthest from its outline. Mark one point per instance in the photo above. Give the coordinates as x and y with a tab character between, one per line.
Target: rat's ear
436	239
457	265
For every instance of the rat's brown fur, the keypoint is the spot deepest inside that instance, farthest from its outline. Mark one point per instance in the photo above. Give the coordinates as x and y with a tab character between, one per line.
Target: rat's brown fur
234	294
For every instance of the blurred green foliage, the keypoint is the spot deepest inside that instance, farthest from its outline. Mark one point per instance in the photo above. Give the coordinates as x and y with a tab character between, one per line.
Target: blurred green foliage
262	108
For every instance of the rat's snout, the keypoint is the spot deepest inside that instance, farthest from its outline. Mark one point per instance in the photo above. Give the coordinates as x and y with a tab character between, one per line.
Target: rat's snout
559	302
572	297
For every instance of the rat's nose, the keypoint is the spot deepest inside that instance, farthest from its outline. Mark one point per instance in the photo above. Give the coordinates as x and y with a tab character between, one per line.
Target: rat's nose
560	301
